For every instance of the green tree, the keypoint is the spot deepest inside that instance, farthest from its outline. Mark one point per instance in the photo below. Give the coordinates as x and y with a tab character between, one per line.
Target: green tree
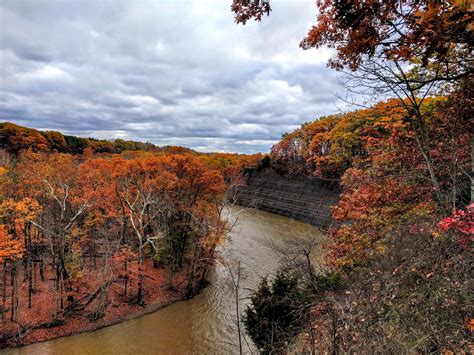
277	313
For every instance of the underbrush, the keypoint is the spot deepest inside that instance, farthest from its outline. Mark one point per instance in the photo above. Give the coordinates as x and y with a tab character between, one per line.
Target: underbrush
417	297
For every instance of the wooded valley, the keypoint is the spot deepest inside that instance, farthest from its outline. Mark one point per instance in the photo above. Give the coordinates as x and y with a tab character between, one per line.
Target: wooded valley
96	231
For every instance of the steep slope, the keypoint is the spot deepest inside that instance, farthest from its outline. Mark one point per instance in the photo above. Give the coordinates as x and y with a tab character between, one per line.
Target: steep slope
299	197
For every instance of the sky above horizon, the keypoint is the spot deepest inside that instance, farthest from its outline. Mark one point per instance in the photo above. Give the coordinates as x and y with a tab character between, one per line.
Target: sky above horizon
166	72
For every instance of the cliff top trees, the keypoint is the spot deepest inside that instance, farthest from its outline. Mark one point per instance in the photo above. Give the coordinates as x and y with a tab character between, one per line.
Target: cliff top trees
15	138
374	154
402	49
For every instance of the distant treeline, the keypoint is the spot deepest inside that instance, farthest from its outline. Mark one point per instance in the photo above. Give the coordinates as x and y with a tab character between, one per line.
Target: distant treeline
14	138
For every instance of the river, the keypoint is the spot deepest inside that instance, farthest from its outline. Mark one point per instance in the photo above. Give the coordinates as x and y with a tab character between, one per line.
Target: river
206	323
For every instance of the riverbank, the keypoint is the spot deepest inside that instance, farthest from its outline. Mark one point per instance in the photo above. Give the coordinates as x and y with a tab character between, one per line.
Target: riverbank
302	198
120	307
206	323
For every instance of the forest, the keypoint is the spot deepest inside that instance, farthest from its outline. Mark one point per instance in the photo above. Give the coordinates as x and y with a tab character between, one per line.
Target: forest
399	264
93	237
398	276
93	232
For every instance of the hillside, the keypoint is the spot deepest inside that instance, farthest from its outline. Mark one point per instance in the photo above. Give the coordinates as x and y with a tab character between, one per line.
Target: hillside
14	138
399	258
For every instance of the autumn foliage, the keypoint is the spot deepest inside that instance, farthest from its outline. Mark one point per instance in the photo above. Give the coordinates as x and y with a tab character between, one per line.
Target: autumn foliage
399	242
81	235
10	248
14	139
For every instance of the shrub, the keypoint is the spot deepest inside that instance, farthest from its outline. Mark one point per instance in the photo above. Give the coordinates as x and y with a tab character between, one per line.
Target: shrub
277	313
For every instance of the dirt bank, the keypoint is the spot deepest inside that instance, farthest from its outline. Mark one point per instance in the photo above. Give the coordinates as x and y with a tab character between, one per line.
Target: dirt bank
299	197
35	324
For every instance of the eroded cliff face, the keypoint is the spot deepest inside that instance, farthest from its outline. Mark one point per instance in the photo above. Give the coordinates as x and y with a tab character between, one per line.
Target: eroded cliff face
301	198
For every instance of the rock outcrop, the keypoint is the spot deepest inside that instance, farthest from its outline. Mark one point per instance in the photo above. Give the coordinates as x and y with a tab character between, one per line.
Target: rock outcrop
301	198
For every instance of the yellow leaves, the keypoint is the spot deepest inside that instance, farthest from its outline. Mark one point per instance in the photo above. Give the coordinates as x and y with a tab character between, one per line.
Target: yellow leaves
27	208
381	249
15	214
74	262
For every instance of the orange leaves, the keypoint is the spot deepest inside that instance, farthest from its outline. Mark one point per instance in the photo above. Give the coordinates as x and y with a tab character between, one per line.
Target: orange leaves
187	178
15	214
116	211
382	171
327	147
390	187
44	175
21	138
10	248
393	30
97	186
470	325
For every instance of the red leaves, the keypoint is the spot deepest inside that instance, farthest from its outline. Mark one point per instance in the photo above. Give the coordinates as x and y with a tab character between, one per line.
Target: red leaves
461	222
384	176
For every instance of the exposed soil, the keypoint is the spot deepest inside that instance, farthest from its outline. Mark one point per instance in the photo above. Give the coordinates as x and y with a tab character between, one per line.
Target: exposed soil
302	198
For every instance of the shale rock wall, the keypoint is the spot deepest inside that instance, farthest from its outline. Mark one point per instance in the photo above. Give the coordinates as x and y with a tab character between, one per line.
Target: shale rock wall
301	198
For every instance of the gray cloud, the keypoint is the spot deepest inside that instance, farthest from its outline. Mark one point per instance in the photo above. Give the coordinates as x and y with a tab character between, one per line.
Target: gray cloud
168	72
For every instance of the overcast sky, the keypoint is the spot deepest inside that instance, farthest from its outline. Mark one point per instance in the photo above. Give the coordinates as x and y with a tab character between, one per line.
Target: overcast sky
167	72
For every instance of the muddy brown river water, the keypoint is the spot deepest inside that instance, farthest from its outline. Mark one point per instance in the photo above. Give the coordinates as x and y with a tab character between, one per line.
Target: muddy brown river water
206	323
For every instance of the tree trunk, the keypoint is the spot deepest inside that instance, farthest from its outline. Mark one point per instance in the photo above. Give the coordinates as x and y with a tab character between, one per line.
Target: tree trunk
140	276
94	257
34	276
170	276
30	283
29	262
12	283
126	276
4	288
42	270
56	292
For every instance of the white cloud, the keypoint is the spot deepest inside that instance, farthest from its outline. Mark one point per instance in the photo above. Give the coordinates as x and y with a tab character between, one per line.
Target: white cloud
46	73
169	72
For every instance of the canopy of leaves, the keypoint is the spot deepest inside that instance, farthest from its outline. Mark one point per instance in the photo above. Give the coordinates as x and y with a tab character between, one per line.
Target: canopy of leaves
395	30
14	139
